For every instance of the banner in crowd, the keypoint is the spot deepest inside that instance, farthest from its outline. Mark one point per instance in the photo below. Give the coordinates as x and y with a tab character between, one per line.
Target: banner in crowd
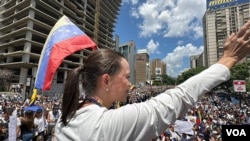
184	127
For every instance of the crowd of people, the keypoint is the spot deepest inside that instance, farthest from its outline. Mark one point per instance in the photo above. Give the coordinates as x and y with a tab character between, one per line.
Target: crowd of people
202	121
31	122
16	87
150	114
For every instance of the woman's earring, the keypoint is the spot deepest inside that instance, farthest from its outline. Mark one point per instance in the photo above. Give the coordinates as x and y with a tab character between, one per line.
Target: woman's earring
107	90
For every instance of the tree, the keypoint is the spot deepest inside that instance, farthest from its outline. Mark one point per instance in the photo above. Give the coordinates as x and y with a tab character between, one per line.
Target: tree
189	73
5	76
239	72
168	80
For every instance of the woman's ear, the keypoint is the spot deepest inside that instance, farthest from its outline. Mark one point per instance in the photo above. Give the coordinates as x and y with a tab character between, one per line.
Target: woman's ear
105	80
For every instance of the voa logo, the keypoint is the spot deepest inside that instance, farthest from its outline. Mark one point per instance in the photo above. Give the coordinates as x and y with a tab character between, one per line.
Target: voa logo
236	132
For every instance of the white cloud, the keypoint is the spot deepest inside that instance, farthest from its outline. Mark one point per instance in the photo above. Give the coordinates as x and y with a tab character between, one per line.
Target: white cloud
133	2
197	29
134	13
172	18
180	42
175	59
152	47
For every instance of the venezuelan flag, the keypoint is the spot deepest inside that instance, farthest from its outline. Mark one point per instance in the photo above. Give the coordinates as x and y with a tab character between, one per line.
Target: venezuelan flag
198	117
64	39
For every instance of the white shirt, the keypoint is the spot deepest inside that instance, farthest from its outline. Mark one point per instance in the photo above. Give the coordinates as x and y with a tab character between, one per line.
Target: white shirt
41	123
174	136
54	117
140	121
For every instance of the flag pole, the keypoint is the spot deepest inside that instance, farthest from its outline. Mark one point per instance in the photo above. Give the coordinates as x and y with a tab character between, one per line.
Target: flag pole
42	96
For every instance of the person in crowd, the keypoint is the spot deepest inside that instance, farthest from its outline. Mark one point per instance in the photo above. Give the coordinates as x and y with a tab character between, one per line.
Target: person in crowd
52	137
52	117
105	80
174	136
26	126
41	124
200	137
13	87
184	137
4	121
18	86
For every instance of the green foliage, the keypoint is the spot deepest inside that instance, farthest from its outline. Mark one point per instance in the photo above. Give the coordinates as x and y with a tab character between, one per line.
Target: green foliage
164	80
168	80
189	73
247	86
157	83
238	72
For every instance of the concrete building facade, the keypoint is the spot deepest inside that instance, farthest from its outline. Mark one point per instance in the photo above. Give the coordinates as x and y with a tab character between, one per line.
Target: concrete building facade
129	51
157	68
197	61
25	25
141	66
220	20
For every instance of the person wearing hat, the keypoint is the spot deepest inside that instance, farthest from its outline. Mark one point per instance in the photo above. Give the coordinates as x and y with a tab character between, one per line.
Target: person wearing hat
25	126
201	137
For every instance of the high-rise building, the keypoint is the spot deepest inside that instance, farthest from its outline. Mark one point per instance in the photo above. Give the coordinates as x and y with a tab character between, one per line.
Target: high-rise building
220	20
129	51
25	25
196	61
141	66
157	68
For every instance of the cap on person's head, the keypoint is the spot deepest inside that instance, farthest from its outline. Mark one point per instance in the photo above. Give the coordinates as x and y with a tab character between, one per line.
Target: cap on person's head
213	133
201	135
168	133
39	111
219	136
28	112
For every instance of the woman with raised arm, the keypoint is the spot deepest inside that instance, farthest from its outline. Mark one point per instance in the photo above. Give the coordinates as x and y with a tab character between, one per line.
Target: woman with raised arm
105	79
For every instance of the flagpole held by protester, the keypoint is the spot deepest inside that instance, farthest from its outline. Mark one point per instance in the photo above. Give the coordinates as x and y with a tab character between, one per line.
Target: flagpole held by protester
64	39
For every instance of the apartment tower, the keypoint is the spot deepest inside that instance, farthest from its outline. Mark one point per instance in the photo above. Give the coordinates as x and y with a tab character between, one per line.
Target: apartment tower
141	66
157	68
25	25
129	50
222	18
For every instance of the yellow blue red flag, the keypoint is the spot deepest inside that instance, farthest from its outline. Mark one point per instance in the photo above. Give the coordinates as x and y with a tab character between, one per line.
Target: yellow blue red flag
64	39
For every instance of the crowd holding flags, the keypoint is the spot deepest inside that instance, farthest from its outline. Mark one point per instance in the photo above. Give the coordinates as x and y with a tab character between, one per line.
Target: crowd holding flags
64	39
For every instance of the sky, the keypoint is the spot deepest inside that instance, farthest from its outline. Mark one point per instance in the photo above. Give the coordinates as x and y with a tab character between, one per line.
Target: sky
171	30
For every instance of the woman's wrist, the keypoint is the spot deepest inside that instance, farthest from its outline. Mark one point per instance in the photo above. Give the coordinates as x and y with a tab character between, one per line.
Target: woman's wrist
229	62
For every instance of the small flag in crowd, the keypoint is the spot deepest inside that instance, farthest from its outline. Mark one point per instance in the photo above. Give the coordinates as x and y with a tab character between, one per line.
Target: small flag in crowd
198	118
64	39
132	87
33	97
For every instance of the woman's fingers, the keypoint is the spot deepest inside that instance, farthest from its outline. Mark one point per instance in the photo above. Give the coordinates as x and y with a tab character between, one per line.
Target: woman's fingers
243	30
246	36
